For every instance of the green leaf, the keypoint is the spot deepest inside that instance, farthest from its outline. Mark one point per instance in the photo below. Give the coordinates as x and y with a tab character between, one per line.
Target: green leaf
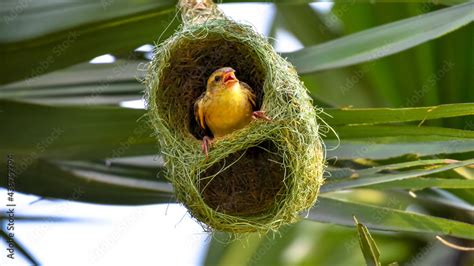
140	168
40	131
335	211
30	56
72	14
73	182
355	173
389	147
347	183
84	82
381	41
303	22
348	116
298	2
398	166
430	200
422	183
428	133
367	245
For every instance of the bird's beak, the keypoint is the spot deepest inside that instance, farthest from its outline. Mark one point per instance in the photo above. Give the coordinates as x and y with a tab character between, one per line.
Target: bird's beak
229	78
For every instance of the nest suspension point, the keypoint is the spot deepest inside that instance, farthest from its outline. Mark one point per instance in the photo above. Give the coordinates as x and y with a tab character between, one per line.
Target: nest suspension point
256	178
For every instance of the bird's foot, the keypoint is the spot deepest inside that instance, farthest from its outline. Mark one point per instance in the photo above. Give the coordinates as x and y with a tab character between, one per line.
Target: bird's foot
205	145
260	115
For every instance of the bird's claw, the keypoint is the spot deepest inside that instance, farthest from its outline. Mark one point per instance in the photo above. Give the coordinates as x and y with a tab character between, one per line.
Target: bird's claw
260	115
205	145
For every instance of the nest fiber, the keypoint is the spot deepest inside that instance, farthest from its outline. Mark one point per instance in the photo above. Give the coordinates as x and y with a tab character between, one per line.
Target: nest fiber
259	177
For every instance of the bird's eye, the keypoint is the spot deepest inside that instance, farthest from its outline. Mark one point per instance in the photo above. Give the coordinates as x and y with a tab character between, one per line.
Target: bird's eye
217	78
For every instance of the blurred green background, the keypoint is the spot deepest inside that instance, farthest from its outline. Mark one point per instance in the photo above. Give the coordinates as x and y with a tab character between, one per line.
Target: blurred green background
71	114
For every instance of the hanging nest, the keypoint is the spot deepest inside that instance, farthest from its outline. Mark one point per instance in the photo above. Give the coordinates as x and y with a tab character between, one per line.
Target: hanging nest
256	178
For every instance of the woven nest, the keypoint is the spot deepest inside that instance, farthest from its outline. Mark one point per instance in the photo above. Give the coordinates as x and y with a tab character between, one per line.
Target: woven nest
259	177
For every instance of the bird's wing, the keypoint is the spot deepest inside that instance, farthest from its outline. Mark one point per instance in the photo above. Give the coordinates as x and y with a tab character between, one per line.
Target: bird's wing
247	90
199	111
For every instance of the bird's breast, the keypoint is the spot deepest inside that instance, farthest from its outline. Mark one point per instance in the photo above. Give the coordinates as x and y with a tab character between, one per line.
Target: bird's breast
228	111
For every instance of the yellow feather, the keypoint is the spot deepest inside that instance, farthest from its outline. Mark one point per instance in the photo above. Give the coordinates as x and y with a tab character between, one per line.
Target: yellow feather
199	112
227	110
224	107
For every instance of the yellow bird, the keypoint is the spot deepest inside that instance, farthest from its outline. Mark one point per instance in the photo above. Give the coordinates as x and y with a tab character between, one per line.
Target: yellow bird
227	105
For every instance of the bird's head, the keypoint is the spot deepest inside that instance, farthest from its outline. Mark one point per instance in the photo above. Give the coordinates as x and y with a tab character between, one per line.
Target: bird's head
221	79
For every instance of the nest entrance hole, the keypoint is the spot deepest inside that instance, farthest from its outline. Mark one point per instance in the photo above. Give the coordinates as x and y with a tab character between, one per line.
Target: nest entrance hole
191	62
250	186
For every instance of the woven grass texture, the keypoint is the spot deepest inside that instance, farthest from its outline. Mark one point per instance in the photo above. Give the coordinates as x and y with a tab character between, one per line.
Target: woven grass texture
256	178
